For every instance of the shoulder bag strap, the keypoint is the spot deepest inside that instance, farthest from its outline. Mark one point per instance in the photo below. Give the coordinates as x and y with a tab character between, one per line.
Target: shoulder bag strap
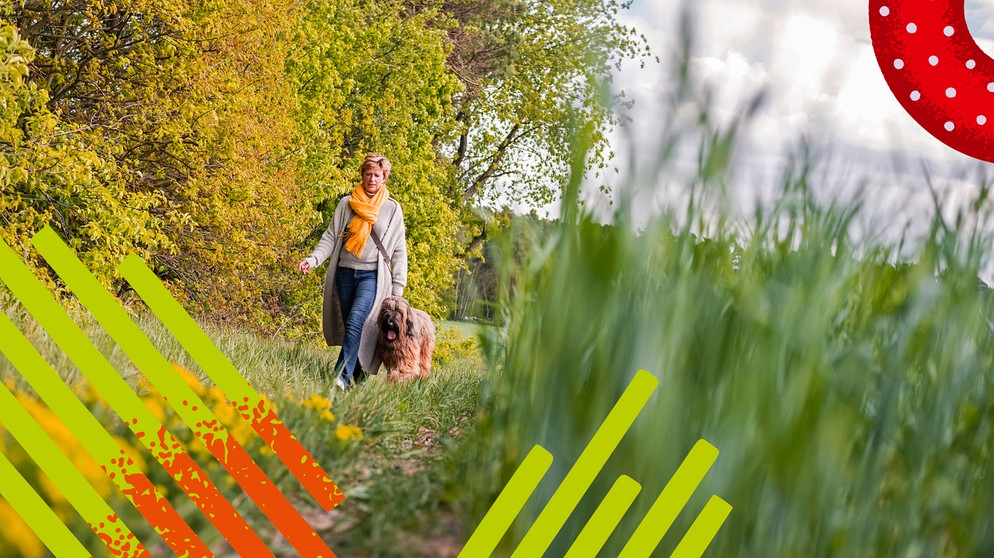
383	250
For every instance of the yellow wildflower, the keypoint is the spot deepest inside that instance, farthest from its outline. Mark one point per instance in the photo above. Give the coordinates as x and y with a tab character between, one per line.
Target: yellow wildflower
242	433
15	531
190	379
91	394
346	432
317	402
326	415
155	405
144	384
215	395
66	441
55	496
132	452
227	414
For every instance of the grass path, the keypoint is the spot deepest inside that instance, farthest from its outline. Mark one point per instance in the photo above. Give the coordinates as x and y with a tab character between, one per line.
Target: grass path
395	477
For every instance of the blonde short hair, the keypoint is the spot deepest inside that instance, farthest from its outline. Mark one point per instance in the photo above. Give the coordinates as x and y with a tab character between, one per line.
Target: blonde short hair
376	160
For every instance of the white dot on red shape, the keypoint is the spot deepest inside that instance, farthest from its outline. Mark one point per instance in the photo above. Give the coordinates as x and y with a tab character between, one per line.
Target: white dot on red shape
912	28
981	120
898	63
950	92
971	64
949	126
884	11
948	31
933	60
990	87
915	95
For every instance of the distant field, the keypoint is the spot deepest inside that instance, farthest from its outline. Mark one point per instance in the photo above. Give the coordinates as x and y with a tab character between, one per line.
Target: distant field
467	329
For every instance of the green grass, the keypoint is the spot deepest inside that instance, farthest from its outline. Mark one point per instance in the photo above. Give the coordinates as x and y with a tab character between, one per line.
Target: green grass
466	329
849	396
395	478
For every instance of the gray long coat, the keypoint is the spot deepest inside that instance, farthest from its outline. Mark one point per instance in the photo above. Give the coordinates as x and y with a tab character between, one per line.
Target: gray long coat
390	228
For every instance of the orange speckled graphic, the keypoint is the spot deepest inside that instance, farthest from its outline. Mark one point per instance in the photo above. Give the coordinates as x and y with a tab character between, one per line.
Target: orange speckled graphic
261	489
296	458
124	545
155	509
198	486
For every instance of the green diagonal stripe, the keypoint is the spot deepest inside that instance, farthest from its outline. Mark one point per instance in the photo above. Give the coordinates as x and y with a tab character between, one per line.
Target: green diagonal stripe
605	518
67	335
702	532
125	333
508	504
212	361
59	398
54	463
36	513
179	395
590	462
671	500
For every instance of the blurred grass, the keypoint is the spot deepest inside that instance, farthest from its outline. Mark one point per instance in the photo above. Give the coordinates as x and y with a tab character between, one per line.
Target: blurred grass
849	397
845	381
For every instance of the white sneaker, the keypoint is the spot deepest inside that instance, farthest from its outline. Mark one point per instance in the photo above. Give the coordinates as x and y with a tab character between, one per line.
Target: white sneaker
341	384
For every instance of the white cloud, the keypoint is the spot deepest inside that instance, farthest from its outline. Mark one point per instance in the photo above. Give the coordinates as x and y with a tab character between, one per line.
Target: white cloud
816	60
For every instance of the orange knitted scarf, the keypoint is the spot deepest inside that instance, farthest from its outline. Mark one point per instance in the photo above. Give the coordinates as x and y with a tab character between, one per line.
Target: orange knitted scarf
366	210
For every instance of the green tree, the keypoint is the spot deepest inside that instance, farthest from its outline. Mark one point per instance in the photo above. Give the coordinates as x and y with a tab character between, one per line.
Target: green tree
367	78
533	73
185	111
50	174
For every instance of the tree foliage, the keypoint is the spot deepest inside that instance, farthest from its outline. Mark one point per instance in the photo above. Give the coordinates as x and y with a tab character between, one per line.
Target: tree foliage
50	174
182	107
214	138
535	74
367	79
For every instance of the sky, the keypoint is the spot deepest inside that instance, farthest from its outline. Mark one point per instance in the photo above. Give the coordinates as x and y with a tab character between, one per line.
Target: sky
816	62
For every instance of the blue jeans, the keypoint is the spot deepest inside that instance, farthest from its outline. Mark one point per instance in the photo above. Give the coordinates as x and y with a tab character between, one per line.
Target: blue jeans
356	293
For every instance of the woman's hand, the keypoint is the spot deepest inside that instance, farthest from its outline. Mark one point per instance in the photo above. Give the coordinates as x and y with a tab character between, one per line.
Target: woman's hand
304	267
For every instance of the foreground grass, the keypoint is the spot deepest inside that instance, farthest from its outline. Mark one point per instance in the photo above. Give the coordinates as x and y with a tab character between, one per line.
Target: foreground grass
395	476
848	395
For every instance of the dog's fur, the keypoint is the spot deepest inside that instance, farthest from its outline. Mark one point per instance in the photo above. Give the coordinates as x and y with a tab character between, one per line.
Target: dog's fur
408	355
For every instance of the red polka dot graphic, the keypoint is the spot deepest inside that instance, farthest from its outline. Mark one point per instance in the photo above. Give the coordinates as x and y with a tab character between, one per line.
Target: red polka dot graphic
936	70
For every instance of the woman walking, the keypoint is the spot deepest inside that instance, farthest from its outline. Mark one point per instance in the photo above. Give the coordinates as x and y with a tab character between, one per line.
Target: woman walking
368	250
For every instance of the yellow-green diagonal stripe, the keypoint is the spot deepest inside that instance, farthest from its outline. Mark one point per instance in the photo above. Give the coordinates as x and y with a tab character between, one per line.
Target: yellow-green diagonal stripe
508	504
702	532
36	513
590	462
605	518
59	398
70	410
139	419
180	396
90	505
211	360
67	335
255	409
671	500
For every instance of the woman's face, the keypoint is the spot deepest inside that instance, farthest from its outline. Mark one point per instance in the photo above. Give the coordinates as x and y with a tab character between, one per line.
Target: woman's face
372	179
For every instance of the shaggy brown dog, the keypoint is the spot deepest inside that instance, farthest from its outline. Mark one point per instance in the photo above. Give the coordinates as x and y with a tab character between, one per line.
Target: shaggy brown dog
406	341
